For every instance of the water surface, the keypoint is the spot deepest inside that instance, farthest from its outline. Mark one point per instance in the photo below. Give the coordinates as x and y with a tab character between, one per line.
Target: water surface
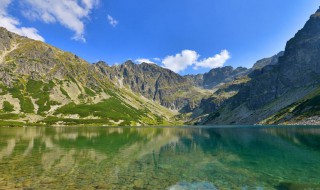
160	158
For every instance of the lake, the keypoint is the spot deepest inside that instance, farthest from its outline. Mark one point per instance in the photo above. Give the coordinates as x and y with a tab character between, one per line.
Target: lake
160	158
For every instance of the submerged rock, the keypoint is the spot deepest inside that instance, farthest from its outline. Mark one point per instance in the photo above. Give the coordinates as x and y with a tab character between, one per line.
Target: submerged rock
193	186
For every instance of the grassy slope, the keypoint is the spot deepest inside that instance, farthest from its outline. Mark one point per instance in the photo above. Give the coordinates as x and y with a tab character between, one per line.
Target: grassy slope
110	111
301	110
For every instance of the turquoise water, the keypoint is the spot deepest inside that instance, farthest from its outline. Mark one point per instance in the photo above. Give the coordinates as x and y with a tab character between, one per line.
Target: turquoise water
160	158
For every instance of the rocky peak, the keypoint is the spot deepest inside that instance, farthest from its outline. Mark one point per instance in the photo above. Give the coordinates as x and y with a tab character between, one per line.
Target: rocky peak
267	61
154	82
222	74
101	64
196	80
216	76
6	38
129	63
316	14
300	64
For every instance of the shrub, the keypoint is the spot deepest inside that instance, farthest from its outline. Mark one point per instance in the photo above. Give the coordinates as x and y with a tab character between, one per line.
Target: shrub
7	107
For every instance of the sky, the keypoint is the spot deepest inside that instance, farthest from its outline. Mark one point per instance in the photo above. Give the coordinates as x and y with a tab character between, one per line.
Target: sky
186	36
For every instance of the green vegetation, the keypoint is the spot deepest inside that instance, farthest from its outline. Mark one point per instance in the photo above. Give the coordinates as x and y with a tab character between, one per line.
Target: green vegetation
305	108
25	102
7	116
64	92
7	107
309	107
11	124
89	92
31	90
67	121
3	89
112	111
111	108
41	92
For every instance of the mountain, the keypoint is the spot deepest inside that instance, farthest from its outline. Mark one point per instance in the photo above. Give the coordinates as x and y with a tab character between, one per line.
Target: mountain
217	76
176	92
285	92
267	61
43	85
155	83
228	87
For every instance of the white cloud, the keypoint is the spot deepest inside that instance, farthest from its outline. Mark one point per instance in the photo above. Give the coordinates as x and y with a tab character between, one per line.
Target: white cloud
143	60
69	13
113	22
187	58
12	24
180	61
213	62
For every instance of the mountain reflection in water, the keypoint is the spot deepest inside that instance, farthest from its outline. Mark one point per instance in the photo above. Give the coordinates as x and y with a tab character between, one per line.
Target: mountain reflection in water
160	158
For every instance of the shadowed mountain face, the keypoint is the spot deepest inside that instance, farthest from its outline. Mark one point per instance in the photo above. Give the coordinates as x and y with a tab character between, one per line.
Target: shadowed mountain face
293	79
298	67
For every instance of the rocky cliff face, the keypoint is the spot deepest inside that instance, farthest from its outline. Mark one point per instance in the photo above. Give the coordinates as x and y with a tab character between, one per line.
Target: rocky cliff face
217	76
230	86
298	67
183	93
267	61
295	75
155	83
223	74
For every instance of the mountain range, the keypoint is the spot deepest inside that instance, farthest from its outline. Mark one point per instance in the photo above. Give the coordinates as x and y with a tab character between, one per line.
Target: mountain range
43	85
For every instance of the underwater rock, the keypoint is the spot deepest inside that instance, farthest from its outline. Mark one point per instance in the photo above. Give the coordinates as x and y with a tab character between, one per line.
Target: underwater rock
193	186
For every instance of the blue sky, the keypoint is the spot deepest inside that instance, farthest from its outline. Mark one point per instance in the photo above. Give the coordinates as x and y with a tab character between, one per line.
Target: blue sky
187	36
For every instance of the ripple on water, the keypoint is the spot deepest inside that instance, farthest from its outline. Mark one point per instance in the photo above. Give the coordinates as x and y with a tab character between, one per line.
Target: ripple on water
193	186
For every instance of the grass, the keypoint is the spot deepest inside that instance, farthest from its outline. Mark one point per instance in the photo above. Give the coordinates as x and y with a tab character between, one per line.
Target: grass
307	107
3	89
111	108
67	121
11	124
89	92
7	107
7	116
64	92
25	102
41	91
